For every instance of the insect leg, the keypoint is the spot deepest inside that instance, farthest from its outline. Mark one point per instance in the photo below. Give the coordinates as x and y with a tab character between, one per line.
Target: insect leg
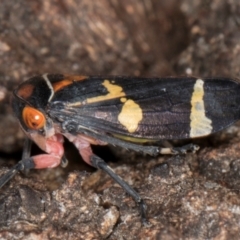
101	164
151	150
24	164
27	148
54	148
85	150
179	150
155	150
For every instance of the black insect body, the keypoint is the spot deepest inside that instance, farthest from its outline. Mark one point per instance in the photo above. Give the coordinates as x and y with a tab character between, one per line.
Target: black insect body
123	111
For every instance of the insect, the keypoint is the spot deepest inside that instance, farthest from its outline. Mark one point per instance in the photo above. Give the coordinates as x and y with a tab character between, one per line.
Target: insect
122	111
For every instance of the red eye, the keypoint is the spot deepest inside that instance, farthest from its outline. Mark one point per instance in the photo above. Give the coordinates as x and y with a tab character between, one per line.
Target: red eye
33	118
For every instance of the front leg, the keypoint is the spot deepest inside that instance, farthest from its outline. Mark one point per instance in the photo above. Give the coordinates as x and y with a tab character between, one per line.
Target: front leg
54	148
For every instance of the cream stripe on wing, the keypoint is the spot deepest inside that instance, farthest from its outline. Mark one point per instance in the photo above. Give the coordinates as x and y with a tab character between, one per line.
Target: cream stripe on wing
200	124
131	115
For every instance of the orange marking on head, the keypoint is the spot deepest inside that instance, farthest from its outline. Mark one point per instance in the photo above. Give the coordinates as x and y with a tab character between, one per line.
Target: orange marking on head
67	81
25	91
33	118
